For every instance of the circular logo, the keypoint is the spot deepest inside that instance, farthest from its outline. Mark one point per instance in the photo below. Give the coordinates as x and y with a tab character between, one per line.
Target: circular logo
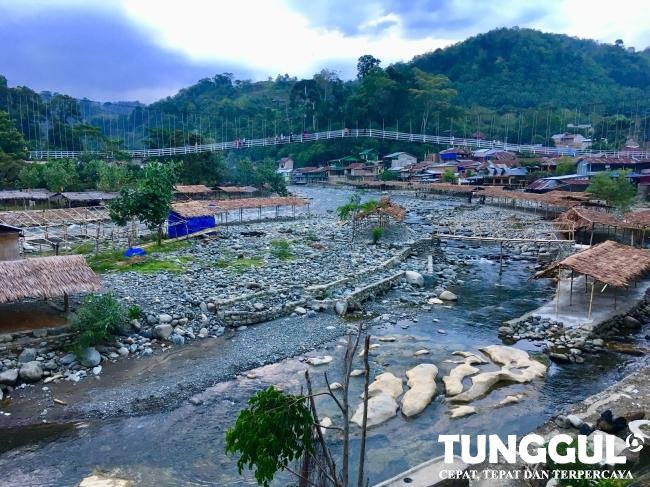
634	443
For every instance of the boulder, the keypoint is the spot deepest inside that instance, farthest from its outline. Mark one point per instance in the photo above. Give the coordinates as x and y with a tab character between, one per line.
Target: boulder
27	355
326	359
414	278
454	381
424	351
448	296
435	301
461	411
31	372
90	357
357	373
381	408
67	359
165	318
9	377
163	331
517	367
178	339
341	307
511	399
103	480
386	383
422	383
300	310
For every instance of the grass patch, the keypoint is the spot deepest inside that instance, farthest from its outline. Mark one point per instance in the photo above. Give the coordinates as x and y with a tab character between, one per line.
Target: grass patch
237	265
170	247
281	249
115	261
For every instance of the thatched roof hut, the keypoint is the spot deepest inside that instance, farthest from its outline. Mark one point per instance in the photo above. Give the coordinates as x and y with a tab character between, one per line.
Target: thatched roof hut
192	189
609	262
46	277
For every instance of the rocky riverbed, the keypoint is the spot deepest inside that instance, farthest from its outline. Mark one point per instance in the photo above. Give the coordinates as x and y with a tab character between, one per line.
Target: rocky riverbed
454	301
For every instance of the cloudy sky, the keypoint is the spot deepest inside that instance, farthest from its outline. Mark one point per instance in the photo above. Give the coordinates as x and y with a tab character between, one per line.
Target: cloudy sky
146	49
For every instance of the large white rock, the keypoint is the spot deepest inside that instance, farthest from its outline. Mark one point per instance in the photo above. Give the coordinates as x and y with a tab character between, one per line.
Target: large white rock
31	371
448	296
102	480
414	278
381	408
326	359
422	383
386	383
517	367
341	307
461	411
454	381
163	331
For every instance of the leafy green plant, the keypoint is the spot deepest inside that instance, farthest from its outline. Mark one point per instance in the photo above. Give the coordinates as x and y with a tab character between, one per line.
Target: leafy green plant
281	249
377	233
274	430
238	265
614	188
449	176
134	312
100	318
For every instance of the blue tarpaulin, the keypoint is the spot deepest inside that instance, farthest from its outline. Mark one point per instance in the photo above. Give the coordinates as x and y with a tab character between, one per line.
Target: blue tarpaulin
178	226
133	251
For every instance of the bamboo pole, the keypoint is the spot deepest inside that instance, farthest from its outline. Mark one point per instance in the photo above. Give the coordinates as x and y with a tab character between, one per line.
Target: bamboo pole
591	298
557	293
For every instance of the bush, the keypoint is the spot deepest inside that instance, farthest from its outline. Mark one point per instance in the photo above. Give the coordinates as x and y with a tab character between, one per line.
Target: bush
100	318
377	233
281	249
134	312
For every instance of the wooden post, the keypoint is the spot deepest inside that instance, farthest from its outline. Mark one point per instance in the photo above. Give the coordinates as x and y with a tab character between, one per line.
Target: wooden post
66	303
557	293
591	298
571	290
501	259
591	239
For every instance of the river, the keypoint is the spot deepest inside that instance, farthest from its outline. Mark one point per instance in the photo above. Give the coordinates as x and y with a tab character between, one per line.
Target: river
185	446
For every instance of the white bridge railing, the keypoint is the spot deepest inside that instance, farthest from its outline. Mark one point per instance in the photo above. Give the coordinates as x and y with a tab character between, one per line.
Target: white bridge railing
346	133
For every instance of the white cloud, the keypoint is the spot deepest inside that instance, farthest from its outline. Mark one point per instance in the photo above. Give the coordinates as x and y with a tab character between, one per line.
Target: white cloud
266	36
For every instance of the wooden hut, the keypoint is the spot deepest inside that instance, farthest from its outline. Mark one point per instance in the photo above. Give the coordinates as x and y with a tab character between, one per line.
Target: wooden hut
46	277
9	242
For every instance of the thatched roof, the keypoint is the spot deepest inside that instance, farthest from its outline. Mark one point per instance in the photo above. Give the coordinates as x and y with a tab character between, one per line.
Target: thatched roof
609	262
384	207
237	189
27	194
583	218
46	277
640	219
214	207
84	196
192	189
60	216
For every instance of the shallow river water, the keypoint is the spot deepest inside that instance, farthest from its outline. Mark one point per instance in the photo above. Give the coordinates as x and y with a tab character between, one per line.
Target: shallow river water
186	446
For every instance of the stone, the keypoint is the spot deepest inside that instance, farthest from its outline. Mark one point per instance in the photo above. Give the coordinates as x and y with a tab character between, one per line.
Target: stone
341	307
454	381
326	359
387	339
562	422
461	411
575	421
336	385
122	351
619	443
447	296
31	372
424	351
9	377
165	318
27	355
177	339
103	480
90	357
67	359
435	301
514	399
381	408
631	321
422	383
163	331
386	383
357	373
97	370
325	423
39	333
414	278
560	358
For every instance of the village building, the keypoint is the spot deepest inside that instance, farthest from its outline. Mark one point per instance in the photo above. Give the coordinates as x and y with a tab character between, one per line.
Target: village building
24	198
571	141
310	175
82	198
285	168
10	242
399	160
192	191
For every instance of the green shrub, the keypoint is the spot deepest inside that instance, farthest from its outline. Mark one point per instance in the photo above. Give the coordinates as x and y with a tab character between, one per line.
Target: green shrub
281	249
100	318
377	233
134	312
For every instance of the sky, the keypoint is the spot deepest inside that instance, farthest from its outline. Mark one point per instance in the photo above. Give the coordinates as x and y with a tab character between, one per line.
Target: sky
117	50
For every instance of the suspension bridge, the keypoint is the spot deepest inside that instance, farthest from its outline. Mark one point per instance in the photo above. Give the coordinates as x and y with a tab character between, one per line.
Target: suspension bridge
451	141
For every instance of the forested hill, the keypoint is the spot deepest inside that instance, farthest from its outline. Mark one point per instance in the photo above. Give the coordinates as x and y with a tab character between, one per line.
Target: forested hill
523	68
